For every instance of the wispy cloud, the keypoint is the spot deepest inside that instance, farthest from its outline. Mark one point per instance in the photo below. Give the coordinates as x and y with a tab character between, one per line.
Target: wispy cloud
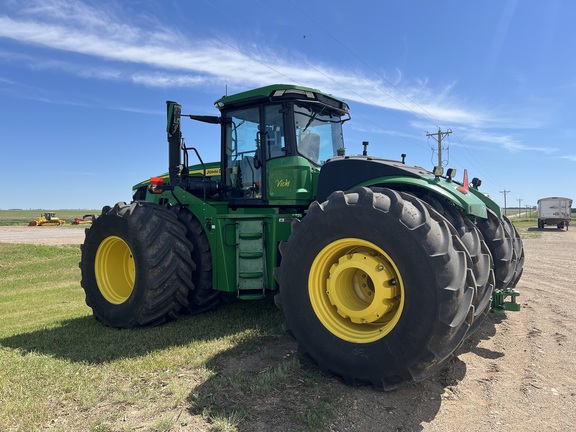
75	27
146	55
506	141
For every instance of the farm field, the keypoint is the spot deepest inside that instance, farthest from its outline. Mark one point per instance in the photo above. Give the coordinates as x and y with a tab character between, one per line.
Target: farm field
235	370
21	217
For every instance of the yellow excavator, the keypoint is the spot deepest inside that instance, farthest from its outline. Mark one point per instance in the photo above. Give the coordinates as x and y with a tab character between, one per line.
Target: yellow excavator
47	219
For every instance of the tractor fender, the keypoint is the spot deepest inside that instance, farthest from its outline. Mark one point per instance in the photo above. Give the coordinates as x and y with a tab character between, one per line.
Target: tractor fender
470	202
348	172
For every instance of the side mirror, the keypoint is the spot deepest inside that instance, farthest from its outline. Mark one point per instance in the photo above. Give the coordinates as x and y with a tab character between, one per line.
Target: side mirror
173	111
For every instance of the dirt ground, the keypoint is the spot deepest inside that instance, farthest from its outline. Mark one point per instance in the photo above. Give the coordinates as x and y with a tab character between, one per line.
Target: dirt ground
48	235
517	374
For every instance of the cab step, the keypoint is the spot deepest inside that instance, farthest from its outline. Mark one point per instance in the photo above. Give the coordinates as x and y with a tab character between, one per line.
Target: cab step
250	260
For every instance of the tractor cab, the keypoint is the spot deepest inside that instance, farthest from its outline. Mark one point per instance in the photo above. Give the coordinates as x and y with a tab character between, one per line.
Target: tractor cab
274	141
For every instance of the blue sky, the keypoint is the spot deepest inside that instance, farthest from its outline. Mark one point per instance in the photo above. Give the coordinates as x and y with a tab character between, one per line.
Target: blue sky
83	86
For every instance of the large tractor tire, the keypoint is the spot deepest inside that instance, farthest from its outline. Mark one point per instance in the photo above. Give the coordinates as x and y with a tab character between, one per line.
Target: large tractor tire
202	297
136	265
376	287
518	247
482	263
505	246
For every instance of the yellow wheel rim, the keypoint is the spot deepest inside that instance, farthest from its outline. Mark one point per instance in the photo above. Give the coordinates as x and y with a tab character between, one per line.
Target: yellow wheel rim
115	270
356	290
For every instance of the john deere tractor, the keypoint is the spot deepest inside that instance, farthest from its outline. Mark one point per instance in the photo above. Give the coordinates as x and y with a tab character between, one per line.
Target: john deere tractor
381	269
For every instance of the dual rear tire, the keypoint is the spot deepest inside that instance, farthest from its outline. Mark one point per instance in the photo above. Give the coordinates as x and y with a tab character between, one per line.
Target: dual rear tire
376	287
138	265
381	287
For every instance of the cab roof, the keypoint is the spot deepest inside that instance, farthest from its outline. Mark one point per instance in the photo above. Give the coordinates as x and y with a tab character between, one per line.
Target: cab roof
281	92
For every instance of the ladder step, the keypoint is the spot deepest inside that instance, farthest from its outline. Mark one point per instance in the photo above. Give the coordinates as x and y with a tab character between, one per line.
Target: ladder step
250	275
254	296
250	260
250	255
250	235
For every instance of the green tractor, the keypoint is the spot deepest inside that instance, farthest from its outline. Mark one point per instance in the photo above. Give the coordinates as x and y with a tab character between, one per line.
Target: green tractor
381	269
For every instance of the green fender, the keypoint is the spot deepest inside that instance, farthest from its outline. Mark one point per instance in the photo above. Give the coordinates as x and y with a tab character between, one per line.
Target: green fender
473	202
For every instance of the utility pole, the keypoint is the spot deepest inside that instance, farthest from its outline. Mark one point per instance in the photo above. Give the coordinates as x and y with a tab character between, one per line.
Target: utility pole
519	204
505	192
439	137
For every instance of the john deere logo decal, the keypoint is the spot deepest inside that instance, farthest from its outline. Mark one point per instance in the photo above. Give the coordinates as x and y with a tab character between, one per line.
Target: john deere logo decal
209	172
285	183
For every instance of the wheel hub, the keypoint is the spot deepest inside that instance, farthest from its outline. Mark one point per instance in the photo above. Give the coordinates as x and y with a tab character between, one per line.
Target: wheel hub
356	290
361	288
115	270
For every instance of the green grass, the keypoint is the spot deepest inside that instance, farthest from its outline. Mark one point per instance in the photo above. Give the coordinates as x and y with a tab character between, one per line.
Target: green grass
28	302
22	217
62	370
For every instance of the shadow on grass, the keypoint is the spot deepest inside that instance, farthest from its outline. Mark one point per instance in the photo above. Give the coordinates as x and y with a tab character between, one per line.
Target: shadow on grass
260	384
269	388
86	340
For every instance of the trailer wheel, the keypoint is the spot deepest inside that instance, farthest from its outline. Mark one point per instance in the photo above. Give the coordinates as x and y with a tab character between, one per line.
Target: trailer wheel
498	237
136	266
376	287
202	296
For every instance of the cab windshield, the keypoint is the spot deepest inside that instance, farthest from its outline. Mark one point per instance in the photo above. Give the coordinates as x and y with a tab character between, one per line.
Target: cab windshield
318	133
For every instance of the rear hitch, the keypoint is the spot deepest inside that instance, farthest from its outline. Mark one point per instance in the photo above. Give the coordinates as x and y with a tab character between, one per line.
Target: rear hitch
499	303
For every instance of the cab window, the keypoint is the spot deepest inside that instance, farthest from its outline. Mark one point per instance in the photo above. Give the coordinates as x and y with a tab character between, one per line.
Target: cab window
318	133
243	169
274	127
